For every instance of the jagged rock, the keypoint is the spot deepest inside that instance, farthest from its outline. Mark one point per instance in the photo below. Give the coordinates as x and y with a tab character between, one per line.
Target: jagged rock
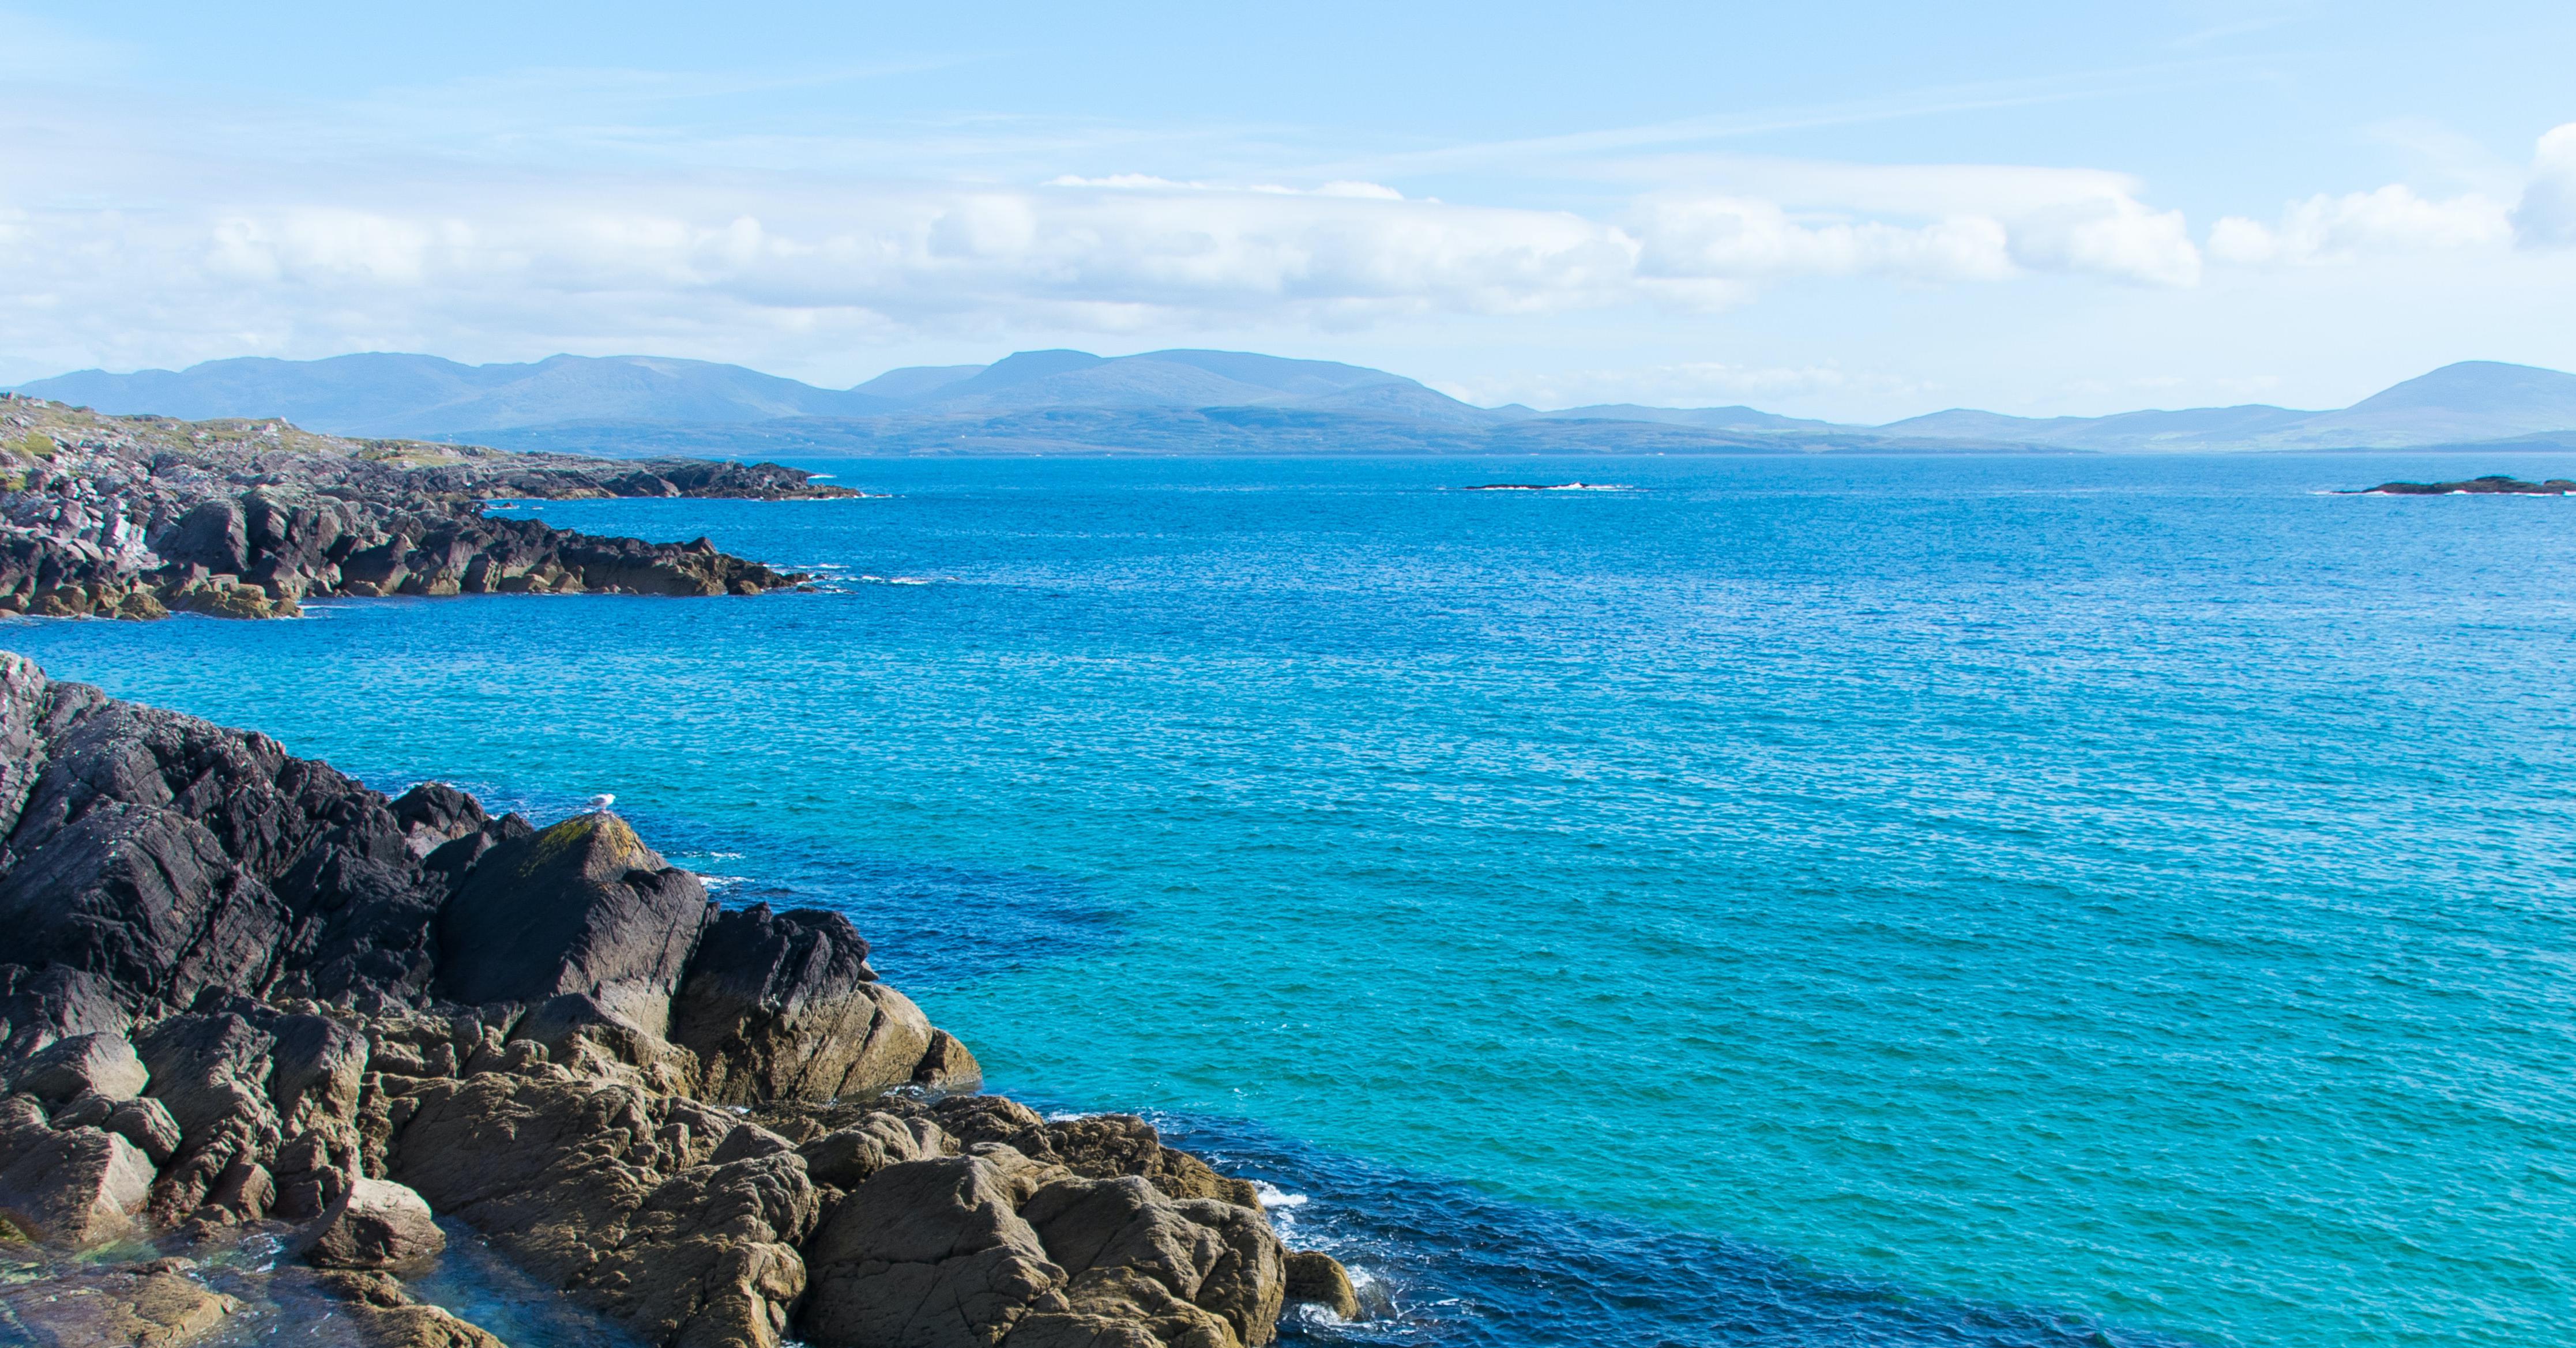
165	856
784	1006
152	1305
592	1039
385	1315
273	939
148	1125
611	1194
74	1188
1318	1279
374	1224
315	1070
582	907
927	1254
40	1006
103	1065
1096	1146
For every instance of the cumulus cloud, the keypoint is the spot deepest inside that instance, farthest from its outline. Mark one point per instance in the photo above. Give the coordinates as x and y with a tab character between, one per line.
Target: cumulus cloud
2326	230
2546	217
1110	254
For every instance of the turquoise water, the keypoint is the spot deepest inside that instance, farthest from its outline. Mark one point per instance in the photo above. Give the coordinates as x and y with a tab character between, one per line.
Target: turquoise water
1793	901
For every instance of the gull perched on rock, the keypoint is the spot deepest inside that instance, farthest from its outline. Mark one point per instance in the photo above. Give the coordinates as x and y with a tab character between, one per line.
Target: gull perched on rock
599	804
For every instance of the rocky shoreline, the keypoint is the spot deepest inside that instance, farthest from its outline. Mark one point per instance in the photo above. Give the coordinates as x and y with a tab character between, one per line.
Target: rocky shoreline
133	517
248	1000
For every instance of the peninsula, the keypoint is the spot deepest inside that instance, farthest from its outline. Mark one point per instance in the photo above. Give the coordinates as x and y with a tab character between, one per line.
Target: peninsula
132	517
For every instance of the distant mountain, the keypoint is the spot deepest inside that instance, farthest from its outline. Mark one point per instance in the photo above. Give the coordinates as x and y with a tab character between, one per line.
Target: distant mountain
2468	403
424	397
1212	401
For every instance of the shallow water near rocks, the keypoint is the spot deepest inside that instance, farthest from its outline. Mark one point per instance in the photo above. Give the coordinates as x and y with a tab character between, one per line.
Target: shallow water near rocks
1796	901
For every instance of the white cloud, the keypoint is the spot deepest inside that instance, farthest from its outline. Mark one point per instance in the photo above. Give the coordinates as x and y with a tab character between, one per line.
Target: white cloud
1114	254
2546	218
2325	230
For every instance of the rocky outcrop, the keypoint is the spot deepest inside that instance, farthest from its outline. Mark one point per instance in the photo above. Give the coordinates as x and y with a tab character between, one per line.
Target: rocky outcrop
784	1006
583	907
2493	484
247	990
133	517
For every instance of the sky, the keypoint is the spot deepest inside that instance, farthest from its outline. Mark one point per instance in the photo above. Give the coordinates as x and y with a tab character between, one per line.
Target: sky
1854	211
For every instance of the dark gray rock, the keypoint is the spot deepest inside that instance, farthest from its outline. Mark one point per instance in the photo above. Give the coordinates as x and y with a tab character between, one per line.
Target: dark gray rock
582	907
784	1006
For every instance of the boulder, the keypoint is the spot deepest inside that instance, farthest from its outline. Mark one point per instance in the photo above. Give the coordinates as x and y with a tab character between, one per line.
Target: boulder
72	1189
1217	1257
928	1254
784	1006
1319	1280
159	1304
374	1224
584	907
103	1065
612	1194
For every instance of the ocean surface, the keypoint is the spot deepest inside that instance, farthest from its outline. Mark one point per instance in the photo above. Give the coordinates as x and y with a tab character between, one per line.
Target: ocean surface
1789	901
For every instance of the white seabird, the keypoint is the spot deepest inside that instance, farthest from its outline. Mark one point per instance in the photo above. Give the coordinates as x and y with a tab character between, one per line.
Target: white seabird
599	804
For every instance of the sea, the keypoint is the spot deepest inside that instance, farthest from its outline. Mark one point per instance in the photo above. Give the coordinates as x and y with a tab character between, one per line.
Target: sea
1765	900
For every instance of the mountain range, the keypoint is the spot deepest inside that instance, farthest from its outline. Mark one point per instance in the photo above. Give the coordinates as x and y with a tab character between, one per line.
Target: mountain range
1210	402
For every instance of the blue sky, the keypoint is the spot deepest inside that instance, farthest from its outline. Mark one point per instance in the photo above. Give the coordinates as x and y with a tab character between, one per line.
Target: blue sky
1855	211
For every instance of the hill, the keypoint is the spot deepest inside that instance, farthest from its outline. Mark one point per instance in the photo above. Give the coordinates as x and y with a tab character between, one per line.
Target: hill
1196	401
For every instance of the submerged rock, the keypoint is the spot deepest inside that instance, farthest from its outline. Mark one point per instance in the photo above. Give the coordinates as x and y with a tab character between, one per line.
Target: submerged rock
159	1304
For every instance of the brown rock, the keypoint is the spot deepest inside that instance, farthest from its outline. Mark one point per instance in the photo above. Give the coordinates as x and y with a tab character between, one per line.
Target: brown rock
928	1254
1318	1279
73	1189
609	1192
375	1224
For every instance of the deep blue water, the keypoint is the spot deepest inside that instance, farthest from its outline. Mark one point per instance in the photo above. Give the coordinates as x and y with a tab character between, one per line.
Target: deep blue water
1795	901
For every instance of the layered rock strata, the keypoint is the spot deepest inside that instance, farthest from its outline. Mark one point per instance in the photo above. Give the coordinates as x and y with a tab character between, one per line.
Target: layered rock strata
132	517
245	993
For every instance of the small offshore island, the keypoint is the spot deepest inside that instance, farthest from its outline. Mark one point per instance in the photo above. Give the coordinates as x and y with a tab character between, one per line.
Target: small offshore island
2493	484
261	1027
